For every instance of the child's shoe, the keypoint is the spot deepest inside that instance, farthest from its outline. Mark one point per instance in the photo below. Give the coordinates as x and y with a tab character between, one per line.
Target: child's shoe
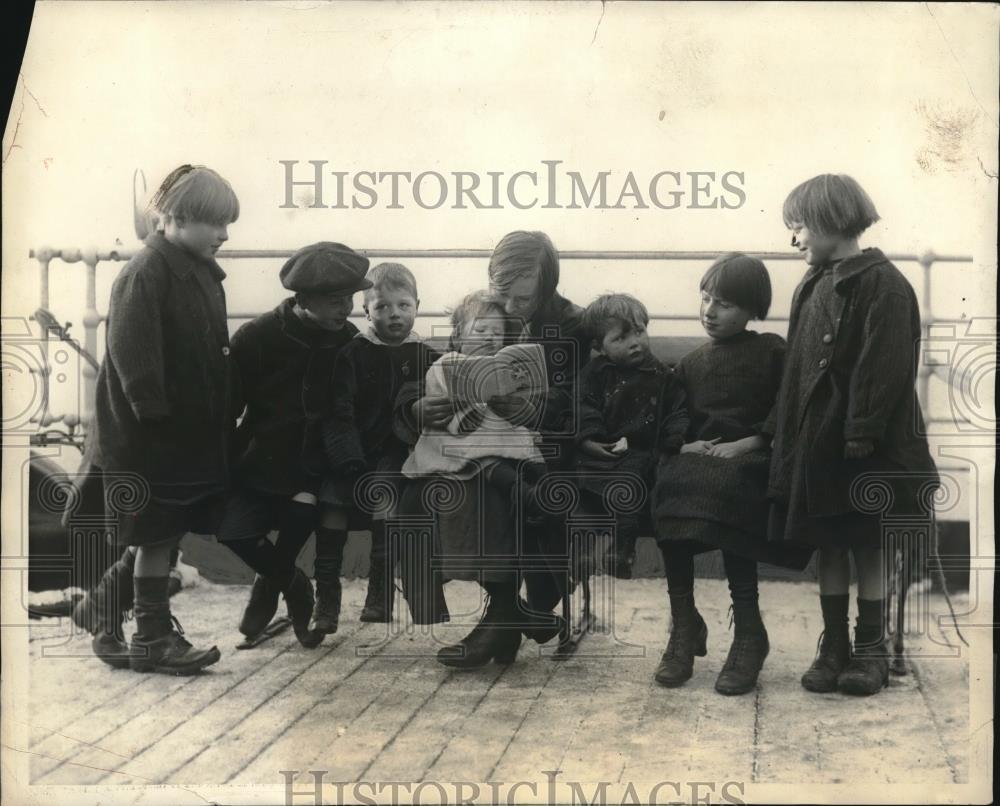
381	583
832	657
299	604
170	654
539	627
867	672
379	598
261	608
743	663
157	646
688	638
102	612
326	611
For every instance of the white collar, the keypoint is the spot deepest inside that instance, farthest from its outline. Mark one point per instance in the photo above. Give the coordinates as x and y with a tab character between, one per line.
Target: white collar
372	336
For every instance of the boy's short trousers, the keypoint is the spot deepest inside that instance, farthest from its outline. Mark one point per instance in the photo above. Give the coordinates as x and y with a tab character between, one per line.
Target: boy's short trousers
250	514
159	521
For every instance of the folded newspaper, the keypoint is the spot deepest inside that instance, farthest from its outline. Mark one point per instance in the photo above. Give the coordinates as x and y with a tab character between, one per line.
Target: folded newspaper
473	380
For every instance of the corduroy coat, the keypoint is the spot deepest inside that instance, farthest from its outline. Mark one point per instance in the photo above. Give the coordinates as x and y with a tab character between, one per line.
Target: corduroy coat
849	374
164	403
286	373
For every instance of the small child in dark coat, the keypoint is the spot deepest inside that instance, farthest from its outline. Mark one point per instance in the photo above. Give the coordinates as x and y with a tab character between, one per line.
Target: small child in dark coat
285	359
631	413
358	437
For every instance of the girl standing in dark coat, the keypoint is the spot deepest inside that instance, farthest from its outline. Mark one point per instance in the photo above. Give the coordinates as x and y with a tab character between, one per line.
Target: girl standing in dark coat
713	495
163	414
847	416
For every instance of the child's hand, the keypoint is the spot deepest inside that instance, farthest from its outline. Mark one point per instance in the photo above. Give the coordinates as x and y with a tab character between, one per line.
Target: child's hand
598	450
858	448
702	446
433	412
727	450
732	450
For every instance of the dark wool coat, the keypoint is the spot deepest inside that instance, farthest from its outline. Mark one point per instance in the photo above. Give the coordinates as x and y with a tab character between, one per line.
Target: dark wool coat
853	338
367	377
643	404
558	327
286	372
731	386
164	399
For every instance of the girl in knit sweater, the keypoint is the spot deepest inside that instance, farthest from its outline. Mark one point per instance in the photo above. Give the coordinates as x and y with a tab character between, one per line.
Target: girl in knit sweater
712	495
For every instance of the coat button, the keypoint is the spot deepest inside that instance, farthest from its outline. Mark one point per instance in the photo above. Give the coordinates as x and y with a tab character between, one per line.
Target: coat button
225	351
827	338
823	362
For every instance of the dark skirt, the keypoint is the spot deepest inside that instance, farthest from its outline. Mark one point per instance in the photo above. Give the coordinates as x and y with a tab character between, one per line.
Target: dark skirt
716	503
597	478
472	529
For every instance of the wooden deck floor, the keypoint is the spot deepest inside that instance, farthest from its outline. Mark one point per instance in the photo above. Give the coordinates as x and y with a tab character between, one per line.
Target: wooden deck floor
371	706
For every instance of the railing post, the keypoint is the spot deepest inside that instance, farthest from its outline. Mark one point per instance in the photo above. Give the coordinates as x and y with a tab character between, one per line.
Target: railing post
44	255
91	321
926	261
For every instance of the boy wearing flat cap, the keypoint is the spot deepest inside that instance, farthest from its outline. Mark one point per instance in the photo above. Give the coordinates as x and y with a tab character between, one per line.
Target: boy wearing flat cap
285	359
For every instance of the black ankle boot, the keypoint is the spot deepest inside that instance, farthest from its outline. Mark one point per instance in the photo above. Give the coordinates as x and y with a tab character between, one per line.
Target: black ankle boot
261	608
539	627
329	592
832	656
157	646
688	638
300	604
102	612
867	672
381	584
494	638
326	611
743	663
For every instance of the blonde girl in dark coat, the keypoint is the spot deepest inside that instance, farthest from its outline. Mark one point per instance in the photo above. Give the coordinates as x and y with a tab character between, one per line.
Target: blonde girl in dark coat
847	417
160	438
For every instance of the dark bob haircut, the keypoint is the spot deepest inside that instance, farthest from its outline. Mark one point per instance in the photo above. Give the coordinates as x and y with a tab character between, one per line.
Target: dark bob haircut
830	204
740	280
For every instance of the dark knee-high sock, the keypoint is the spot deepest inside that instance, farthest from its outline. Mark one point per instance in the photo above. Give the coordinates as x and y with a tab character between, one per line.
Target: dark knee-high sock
871	625
835	607
741	572
260	555
678	562
503	599
299	522
329	553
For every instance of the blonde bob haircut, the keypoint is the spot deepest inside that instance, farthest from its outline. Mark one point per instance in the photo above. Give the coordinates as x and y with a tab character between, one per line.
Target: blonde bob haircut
830	204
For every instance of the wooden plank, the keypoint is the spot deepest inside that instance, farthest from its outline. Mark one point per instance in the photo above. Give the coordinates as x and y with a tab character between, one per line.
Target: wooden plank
125	726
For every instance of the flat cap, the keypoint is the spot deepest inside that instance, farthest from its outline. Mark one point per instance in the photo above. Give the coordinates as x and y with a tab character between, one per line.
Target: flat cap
326	266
